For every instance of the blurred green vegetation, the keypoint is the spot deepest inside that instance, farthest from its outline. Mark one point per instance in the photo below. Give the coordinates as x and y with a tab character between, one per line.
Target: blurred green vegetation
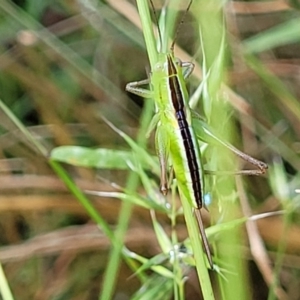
64	65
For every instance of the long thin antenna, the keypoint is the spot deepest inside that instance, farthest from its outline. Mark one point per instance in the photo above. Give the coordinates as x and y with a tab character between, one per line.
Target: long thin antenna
156	21
179	25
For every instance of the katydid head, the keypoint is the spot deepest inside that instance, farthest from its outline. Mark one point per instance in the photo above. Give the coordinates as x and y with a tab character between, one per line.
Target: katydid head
165	62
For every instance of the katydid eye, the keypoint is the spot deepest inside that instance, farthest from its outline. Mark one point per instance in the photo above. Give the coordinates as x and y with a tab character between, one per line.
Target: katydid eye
178	62
160	66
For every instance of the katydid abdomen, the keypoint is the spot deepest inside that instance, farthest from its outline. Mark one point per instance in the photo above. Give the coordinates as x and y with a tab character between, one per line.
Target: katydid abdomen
186	162
185	158
175	122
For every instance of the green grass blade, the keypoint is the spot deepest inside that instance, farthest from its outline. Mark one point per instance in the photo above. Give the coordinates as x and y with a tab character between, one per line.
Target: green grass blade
148	31
156	287
112	268
100	158
275	85
279	35
4	287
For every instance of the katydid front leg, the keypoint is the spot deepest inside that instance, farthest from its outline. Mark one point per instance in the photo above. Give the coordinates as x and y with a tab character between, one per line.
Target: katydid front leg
134	88
161	139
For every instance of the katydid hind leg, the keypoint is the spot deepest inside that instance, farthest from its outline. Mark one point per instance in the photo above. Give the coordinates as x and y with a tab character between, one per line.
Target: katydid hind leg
204	237
187	69
162	149
207	135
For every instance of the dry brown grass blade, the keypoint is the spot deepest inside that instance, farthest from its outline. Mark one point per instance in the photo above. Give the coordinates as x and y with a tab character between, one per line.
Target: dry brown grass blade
257	7
257	247
77	239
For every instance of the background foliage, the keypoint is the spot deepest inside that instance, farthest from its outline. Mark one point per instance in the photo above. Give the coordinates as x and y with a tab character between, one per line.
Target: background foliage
64	64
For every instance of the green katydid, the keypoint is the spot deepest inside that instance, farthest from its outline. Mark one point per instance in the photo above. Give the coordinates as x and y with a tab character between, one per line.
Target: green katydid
177	130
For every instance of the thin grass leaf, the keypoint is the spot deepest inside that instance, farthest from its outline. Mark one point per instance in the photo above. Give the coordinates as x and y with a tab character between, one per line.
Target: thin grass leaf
218	228
279	181
163	239
216	75
141	153
4	287
156	287
148	31
280	35
134	199
275	85
150	186
155	264
97	158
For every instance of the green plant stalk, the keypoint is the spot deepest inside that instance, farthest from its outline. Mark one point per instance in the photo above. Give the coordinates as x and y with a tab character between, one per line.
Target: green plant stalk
28	136
4	287
113	265
115	239
84	201
190	218
210	19
148	31
199	255
93	213
178	278
235	286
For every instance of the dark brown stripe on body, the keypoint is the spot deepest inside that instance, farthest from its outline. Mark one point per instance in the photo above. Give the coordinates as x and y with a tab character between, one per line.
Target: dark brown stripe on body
178	104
